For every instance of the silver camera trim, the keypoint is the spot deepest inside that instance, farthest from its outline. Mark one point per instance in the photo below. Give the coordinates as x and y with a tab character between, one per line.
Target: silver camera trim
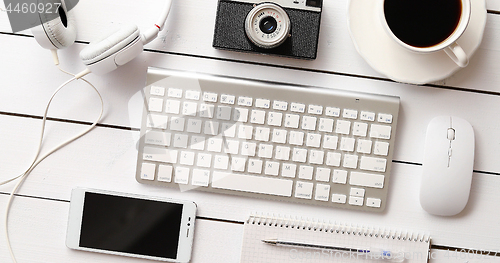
262	39
295	4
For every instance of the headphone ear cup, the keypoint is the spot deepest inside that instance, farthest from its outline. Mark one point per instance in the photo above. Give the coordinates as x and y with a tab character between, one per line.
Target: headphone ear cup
107	46
55	31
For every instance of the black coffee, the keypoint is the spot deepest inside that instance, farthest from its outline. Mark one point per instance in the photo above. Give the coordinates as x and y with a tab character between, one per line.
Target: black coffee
422	23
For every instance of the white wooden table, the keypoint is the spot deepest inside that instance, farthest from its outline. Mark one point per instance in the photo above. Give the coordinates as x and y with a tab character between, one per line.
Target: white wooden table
106	157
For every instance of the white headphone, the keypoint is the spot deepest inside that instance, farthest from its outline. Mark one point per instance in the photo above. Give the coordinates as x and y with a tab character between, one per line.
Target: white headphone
102	55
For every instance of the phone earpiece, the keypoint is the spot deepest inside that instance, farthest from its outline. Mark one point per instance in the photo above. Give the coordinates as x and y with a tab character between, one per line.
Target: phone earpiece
106	54
55	31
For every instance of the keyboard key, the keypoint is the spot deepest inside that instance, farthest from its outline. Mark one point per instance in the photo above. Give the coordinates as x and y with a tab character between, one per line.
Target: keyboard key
223	113
245	132
159	155
350	161
262	103
279	136
385	118
181	175
201	177
333	159
245	101
248	148
214	145
367	179
186	158
296	138
325	125
288	170
360	192
347	144
175	93
221	162
274	118
322	192
339	177
156	121
313	140
380	131
177	124
253	184
298	107
309	123
227	99
266	151
280	105
231	147
157	91
343	127
210	97
211	128
165	173
292	121
228	129
332	112
206	111
148	171
381	148
304	190
306	172
367	116
157	138
240	115
350	114
194	126
262	134
316	157
364	146
323	174
258	116
204	160
354	200
173	106
339	198
155	105
372	164
315	109
299	155
282	153
373	202
180	140
330	142
255	166
238	164
360	129
192	95
272	168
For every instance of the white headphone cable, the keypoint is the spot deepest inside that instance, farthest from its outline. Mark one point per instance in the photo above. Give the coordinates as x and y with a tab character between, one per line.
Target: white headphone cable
37	160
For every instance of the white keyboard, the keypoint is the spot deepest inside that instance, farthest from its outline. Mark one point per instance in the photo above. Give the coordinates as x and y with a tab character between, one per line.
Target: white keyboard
281	142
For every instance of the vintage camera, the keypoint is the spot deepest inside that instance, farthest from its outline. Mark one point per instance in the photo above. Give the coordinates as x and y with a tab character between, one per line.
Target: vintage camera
282	27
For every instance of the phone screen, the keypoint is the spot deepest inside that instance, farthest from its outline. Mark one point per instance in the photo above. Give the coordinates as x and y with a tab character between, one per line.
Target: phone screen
130	225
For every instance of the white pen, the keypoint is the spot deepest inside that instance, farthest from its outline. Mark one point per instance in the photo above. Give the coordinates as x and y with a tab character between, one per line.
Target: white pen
363	253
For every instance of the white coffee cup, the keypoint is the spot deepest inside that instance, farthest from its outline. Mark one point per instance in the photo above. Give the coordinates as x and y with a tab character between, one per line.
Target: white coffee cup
449	45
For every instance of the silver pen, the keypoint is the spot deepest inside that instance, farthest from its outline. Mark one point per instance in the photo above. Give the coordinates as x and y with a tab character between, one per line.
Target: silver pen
370	253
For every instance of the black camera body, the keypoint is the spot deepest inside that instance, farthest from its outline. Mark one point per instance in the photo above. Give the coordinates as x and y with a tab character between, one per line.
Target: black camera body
287	28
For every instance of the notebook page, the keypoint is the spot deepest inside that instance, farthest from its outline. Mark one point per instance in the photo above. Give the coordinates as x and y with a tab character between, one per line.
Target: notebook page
255	251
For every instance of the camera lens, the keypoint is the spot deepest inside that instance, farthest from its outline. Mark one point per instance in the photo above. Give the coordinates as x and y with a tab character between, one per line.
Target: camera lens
268	25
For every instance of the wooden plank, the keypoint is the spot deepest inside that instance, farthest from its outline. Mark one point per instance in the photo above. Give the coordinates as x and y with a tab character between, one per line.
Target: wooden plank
105	159
336	50
39	230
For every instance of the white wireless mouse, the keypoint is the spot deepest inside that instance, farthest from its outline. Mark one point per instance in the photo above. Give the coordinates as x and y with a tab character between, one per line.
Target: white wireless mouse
447	166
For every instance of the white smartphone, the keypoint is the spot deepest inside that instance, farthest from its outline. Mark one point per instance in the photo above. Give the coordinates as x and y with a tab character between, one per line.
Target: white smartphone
131	225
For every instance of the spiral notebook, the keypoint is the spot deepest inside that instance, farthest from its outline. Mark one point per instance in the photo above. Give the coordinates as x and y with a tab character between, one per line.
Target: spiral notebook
304	241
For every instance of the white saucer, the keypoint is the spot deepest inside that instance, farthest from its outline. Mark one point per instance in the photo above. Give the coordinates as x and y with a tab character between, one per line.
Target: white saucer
387	57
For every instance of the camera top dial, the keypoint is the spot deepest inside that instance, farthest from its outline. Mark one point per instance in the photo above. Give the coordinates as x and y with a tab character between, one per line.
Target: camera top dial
267	25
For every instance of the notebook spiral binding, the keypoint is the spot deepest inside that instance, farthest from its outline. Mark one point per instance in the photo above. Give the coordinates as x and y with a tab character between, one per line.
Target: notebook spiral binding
337	228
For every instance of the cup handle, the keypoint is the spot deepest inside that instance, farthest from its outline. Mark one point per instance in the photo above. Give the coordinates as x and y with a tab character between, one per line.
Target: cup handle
457	54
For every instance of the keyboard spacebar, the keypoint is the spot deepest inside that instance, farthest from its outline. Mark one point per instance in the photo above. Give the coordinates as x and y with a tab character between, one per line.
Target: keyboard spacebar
253	184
